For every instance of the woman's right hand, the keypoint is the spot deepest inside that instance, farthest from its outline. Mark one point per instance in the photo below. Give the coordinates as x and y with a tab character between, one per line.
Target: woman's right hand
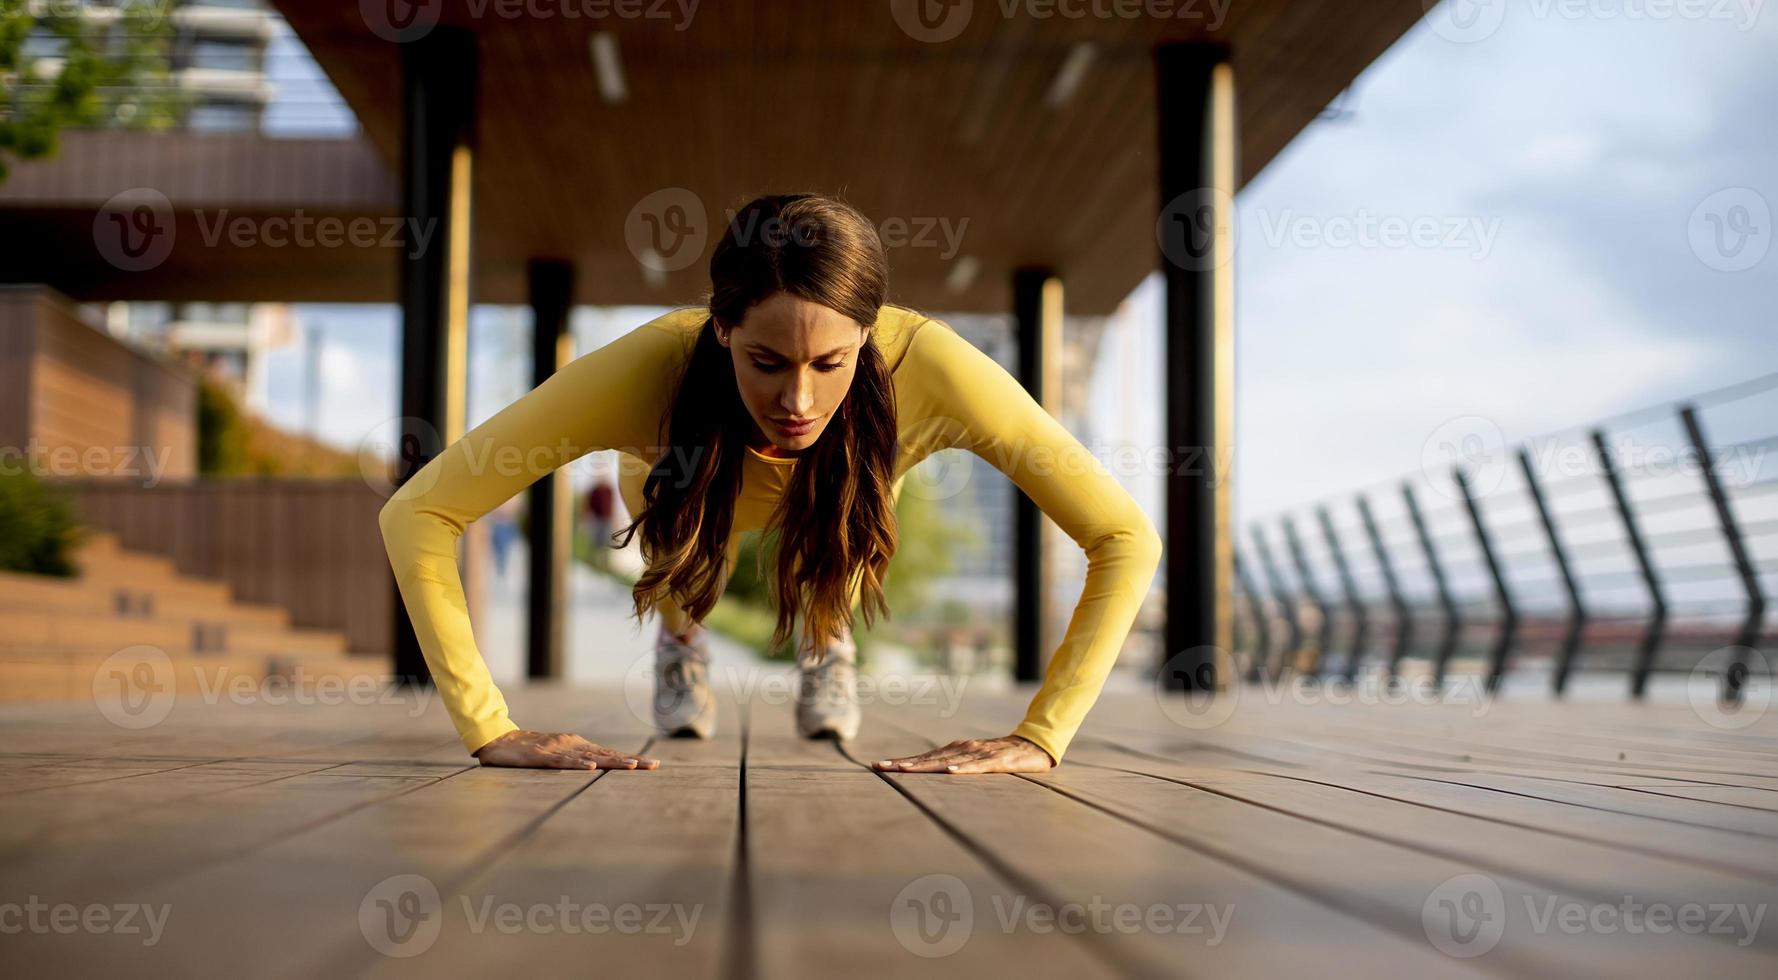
556	750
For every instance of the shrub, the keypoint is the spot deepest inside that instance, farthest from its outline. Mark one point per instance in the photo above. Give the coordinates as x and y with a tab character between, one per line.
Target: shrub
37	527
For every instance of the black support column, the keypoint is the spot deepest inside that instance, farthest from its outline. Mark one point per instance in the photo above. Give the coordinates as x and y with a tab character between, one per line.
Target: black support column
1037	315
551	523
1195	101
438	116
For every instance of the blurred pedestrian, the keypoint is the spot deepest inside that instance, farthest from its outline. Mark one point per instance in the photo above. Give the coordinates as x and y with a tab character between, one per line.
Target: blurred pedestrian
599	504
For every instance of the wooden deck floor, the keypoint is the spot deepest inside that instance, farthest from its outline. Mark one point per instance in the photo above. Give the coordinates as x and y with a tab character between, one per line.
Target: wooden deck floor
1291	839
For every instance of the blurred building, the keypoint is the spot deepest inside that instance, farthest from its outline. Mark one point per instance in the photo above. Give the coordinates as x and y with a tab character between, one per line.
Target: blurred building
216	58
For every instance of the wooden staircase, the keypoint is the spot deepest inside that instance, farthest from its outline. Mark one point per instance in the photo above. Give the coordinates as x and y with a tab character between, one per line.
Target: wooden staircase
55	633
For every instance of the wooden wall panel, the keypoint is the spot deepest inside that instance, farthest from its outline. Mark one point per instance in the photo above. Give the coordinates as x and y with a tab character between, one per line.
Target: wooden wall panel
17	341
65	386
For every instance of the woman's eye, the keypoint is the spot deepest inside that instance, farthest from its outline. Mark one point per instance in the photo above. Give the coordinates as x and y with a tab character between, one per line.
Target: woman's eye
824	368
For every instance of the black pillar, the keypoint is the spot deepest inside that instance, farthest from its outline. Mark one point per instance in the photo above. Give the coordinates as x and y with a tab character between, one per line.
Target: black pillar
551	522
1037	315
438	114
1195	102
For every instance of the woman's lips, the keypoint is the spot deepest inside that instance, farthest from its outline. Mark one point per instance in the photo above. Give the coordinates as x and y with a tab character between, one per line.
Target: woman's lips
800	428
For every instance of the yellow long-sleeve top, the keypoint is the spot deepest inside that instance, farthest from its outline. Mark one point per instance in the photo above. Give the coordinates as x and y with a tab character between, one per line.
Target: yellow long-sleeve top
948	395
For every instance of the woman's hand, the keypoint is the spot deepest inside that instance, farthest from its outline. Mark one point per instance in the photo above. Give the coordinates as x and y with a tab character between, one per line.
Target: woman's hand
1014	753
556	750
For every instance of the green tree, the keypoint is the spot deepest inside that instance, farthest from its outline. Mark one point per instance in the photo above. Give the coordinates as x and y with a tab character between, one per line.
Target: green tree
65	63
222	432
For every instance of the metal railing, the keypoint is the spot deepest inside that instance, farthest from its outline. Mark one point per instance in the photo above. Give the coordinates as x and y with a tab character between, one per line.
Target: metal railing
1641	544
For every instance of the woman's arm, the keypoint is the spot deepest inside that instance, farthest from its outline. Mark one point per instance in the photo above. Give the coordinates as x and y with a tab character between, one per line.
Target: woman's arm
961	391
611	398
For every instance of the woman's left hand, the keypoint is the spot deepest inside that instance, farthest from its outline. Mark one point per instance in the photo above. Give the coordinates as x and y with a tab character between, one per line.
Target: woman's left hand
1014	753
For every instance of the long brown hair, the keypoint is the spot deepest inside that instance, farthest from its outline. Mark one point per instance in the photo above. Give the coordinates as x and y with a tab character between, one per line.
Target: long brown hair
836	520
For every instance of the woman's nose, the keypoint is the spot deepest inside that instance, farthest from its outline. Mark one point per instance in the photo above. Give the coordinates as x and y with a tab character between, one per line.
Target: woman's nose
798	398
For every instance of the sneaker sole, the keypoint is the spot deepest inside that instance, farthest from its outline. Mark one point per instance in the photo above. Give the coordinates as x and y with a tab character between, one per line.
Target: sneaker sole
828	732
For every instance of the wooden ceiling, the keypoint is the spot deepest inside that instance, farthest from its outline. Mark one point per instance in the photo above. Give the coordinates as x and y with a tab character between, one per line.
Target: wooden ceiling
54	212
832	95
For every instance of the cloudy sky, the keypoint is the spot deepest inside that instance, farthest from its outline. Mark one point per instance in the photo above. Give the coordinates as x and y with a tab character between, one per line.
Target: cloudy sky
1562	158
1588	192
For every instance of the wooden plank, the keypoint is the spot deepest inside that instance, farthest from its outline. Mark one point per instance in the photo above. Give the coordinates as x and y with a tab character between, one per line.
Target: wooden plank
847	876
273	835
1601	871
1679	812
1411	753
1729	851
1393	886
1728	846
302	891
1037	831
636	873
1499	743
1756	799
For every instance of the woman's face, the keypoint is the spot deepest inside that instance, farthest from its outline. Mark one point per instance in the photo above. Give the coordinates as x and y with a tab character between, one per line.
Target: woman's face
794	362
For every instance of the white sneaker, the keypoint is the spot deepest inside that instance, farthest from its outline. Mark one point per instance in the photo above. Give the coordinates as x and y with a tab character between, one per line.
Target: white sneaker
683	705
827	693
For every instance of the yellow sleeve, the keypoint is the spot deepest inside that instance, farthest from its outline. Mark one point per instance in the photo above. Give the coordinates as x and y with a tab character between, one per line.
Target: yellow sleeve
955	389
611	398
